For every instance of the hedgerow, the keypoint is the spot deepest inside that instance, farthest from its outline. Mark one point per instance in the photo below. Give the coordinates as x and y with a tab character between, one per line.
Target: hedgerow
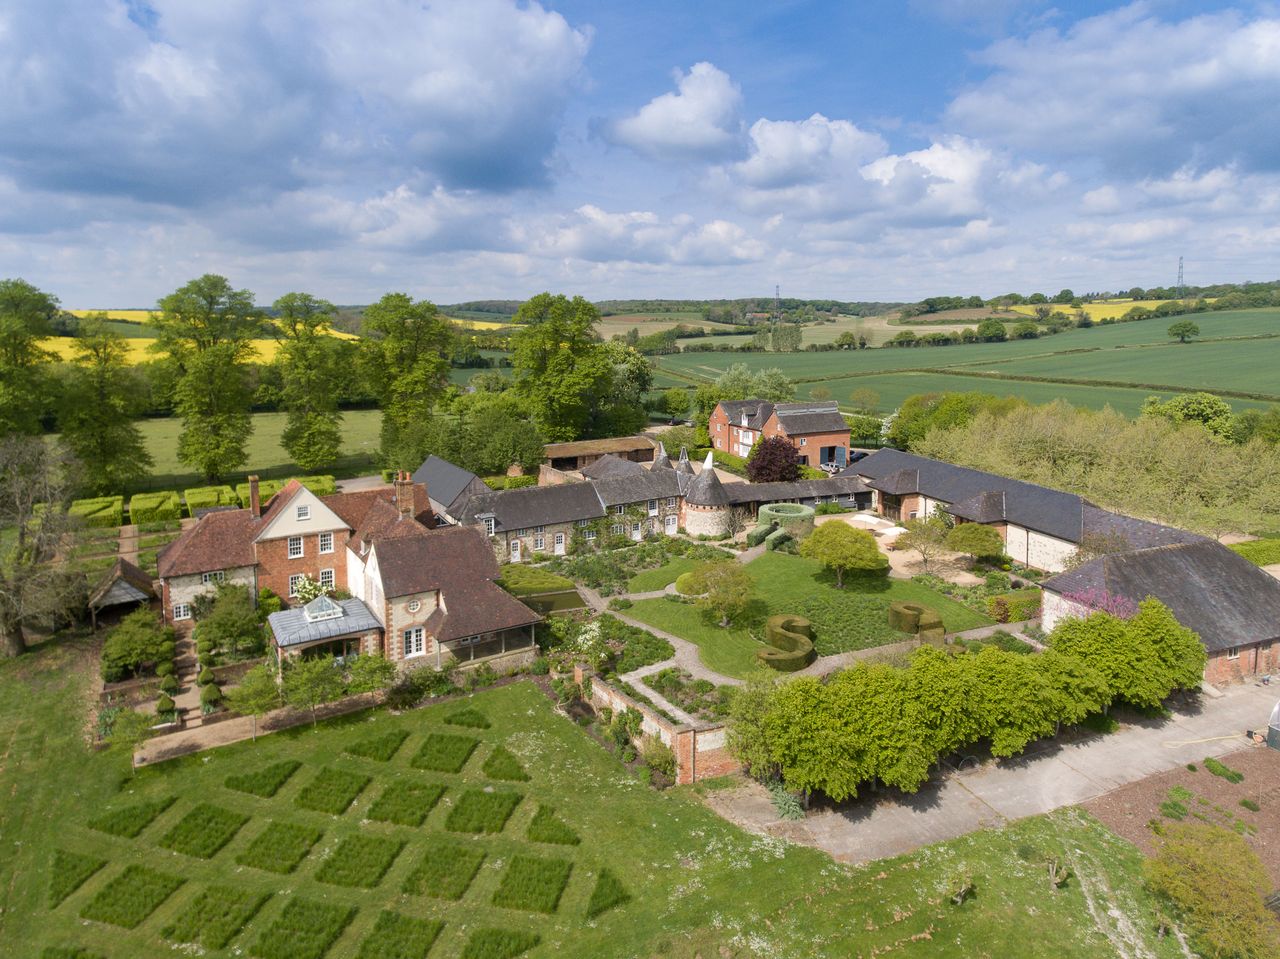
469	717
498	944
501	764
304	930
406	803
203	831
99	511
129	821
332	791
154	507
381	747
132	896
546	826
68	872
280	847
446	870
533	883
444	753
264	782
399	937
360	861
479	811
216	916
609	892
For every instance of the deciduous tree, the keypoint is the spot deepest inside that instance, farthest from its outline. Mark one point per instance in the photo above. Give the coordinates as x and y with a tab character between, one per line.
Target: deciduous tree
1212	412
232	623
310	683
96	416
842	549
773	459
928	537
1184	330
727	590
26	315
975	539
255	695
308	366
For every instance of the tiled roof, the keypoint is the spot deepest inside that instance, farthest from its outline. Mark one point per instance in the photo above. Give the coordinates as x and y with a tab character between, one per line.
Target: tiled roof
610	466
1138	533
757	412
645	485
291	627
434	559
1209	588
444	481
798	419
222	540
615	444
662	461
124	582
475	607
706	488
383	521
842	487
535	506
352	507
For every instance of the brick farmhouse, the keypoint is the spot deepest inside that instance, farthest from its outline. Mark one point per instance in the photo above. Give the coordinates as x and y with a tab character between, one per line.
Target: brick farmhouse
817	430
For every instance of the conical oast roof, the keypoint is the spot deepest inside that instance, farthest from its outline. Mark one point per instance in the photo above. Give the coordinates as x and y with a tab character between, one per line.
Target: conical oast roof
662	461
683	465
706	488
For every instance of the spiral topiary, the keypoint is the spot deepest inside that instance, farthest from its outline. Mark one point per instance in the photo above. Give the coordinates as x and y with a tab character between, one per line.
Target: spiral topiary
790	641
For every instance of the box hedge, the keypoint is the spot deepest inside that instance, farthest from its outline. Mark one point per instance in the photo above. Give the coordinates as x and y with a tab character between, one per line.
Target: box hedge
100	510
206	497
1014	607
266	490
790	643
777	539
759	534
155	507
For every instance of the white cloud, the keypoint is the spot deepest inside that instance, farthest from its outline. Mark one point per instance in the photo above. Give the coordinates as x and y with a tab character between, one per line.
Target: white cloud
699	121
787	153
596	235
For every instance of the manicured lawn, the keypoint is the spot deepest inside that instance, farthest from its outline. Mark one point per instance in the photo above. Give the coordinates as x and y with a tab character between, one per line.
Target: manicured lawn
684	882
855	617
662	577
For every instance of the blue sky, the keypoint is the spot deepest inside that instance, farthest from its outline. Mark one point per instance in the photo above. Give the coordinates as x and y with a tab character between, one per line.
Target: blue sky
491	149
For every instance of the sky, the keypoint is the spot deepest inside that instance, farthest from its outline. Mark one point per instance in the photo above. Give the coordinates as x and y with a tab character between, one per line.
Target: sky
489	149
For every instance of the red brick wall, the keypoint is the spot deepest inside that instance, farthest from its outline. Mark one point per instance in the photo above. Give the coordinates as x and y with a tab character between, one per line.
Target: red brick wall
813	441
1221	671
719	421
275	567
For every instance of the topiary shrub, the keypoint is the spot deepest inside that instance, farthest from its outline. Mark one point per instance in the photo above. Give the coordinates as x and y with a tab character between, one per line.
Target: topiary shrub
686	583
791	642
210	695
165	668
777	539
930	628
100	511
757	535
164	705
206	676
205	660
905	617
169	684
794	518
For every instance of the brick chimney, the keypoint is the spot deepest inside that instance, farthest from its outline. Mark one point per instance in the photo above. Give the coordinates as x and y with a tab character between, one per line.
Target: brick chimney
404	493
255	502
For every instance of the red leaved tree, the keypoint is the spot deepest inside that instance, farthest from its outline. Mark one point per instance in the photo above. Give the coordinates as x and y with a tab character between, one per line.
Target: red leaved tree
773	460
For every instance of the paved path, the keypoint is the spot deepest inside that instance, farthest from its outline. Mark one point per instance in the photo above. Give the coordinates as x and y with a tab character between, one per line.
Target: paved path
128	546
1054	775
636	678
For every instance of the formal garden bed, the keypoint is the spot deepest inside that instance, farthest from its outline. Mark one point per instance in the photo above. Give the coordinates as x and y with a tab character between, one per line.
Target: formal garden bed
998	597
844	619
611	571
606	644
700	698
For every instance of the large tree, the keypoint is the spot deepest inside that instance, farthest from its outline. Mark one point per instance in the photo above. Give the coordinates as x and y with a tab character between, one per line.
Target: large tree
26	315
101	397
1184	330
773	459
1212	412
207	329
843	549
726	589
308	367
36	585
928	537
405	361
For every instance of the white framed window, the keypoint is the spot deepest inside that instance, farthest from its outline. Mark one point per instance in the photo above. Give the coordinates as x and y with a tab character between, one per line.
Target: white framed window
620	509
719	427
414	605
671	502
217	576
490	526
653	507
303	512
295	581
181	611
590	535
520	532
326	542
1232	653
415	642
804	441
635	529
912	515
295	547
539	542
326	578
539	529
617	529
582	523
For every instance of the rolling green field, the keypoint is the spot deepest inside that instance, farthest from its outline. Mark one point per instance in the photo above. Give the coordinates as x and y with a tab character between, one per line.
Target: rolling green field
226	853
1138	353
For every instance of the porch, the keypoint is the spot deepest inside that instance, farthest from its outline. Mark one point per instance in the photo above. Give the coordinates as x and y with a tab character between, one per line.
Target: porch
470	649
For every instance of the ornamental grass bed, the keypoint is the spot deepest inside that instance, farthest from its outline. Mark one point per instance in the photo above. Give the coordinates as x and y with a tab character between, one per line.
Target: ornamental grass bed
399	937
608	892
360	861
216	917
406	803
129	821
479	811
445	871
68	872
381	748
547	827
280	847
444	753
332	791
469	717
533	883
132	896
502	764
498	944
264	782
203	831
304	930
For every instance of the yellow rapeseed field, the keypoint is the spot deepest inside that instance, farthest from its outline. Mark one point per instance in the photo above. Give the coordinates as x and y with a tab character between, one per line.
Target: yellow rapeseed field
1102	310
131	316
480	324
63	346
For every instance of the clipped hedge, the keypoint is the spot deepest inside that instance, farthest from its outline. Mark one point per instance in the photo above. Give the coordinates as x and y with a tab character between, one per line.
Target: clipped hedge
791	639
685	583
266	490
206	497
521	580
509	482
99	511
1260	552
322	485
777	539
794	518
918	620
155	507
759	534
1014	607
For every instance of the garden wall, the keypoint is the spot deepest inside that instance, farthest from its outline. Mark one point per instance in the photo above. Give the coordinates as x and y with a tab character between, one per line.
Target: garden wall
700	750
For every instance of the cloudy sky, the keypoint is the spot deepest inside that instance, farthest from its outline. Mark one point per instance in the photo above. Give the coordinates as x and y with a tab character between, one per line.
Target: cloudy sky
490	149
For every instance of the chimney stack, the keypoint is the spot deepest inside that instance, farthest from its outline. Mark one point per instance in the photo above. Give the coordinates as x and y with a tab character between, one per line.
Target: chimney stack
255	502
404	493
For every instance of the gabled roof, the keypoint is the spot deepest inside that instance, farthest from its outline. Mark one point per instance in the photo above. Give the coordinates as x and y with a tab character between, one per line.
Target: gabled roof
757	412
838	486
1209	588
291	627
475	607
353	507
434	559
535	506
123	583
444	481
277	522
614	444
1138	533
797	419
642	486
383	521
222	540
706	489
1034	507
610	466
662	461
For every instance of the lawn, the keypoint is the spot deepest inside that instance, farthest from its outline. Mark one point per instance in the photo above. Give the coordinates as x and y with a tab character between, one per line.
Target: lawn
663	576
678	881
855	617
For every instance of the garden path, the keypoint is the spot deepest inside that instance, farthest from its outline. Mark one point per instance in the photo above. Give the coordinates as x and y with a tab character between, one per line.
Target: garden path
636	678
1014	629
128	548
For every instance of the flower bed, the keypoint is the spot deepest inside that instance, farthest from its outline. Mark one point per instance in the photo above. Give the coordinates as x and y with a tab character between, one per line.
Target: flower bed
609	571
699	698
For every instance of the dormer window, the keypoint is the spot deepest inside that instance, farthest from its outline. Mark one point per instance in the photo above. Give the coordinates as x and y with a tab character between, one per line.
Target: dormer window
303	512
490	526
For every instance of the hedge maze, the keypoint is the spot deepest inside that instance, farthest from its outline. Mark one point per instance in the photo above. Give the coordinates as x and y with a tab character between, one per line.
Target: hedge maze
409	842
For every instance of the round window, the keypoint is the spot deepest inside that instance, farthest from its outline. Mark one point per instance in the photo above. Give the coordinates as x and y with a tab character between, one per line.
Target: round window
414	606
